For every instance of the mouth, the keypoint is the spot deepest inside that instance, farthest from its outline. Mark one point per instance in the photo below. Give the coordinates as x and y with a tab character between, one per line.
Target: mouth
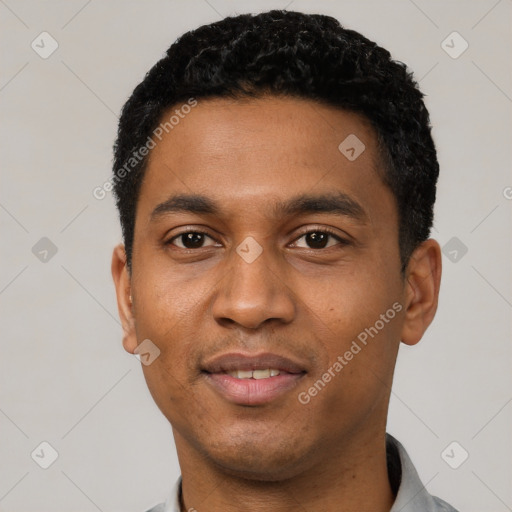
255	374
252	379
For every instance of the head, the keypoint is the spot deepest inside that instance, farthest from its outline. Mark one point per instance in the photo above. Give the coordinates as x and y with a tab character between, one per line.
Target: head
282	205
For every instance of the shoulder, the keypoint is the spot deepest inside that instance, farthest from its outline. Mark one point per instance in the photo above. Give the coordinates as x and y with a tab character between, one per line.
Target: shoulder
173	500
411	496
157	508
442	506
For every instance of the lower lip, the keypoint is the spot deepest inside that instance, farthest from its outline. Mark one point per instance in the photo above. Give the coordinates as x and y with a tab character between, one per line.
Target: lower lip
253	391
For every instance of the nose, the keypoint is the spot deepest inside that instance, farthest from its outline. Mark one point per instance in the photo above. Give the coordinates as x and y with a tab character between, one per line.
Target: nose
252	294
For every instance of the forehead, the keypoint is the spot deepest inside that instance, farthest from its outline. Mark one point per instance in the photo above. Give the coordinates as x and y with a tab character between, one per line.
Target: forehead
256	151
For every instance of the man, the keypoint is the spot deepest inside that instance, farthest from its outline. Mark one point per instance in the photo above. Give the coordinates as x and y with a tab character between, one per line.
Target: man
275	177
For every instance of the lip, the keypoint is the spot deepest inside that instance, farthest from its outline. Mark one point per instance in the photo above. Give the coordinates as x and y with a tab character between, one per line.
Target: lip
240	361
252	391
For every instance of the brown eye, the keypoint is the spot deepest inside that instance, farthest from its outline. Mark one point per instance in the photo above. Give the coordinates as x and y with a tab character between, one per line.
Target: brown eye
320	239
190	240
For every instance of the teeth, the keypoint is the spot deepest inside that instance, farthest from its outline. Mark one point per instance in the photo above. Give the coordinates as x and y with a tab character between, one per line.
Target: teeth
260	374
241	374
256	374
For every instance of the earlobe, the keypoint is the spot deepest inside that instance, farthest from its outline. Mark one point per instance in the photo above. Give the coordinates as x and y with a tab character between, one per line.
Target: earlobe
122	282
422	290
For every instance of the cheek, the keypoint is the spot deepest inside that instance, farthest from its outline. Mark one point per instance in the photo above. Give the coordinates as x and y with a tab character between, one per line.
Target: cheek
348	392
360	331
346	304
167	314
166	301
169	390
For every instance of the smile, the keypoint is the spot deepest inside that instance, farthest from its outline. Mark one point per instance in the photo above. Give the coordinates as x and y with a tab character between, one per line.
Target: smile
255	374
252	379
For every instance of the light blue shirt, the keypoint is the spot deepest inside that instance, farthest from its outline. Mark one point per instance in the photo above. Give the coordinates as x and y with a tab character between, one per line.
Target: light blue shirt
411	496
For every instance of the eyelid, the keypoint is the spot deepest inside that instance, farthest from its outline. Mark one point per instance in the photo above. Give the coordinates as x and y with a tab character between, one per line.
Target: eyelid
189	229
324	229
312	229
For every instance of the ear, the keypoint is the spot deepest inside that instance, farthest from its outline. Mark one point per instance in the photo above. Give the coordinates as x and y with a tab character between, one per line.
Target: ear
423	278
122	281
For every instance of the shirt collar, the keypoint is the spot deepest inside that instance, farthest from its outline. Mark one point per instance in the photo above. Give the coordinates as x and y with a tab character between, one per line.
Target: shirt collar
412	496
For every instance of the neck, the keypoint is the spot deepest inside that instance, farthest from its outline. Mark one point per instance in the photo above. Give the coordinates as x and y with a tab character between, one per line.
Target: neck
352	477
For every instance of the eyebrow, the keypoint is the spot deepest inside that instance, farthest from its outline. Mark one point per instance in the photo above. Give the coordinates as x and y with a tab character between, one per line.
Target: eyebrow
335	203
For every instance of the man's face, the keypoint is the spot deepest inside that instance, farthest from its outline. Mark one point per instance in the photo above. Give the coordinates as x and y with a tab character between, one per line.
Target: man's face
250	289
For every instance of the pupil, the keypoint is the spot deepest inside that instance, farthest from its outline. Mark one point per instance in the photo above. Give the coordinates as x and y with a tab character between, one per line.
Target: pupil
192	240
317	240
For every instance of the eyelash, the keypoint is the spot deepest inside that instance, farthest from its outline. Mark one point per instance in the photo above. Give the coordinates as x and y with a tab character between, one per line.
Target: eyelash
324	230
341	241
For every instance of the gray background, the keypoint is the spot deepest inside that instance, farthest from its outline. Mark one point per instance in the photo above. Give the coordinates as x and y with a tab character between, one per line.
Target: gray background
65	378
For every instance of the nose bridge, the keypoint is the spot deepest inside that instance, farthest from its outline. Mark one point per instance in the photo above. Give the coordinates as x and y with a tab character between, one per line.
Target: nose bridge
252	291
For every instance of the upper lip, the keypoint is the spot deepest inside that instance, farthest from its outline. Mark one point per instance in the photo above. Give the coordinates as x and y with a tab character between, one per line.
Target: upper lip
246	362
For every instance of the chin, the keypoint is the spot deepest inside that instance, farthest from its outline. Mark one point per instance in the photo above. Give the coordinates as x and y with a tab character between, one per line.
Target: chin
260	461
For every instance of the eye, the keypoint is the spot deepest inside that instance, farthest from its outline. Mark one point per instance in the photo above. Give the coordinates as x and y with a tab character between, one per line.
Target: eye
319	239
190	240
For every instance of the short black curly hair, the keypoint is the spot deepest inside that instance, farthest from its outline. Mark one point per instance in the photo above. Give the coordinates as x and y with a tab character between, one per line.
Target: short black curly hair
293	54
